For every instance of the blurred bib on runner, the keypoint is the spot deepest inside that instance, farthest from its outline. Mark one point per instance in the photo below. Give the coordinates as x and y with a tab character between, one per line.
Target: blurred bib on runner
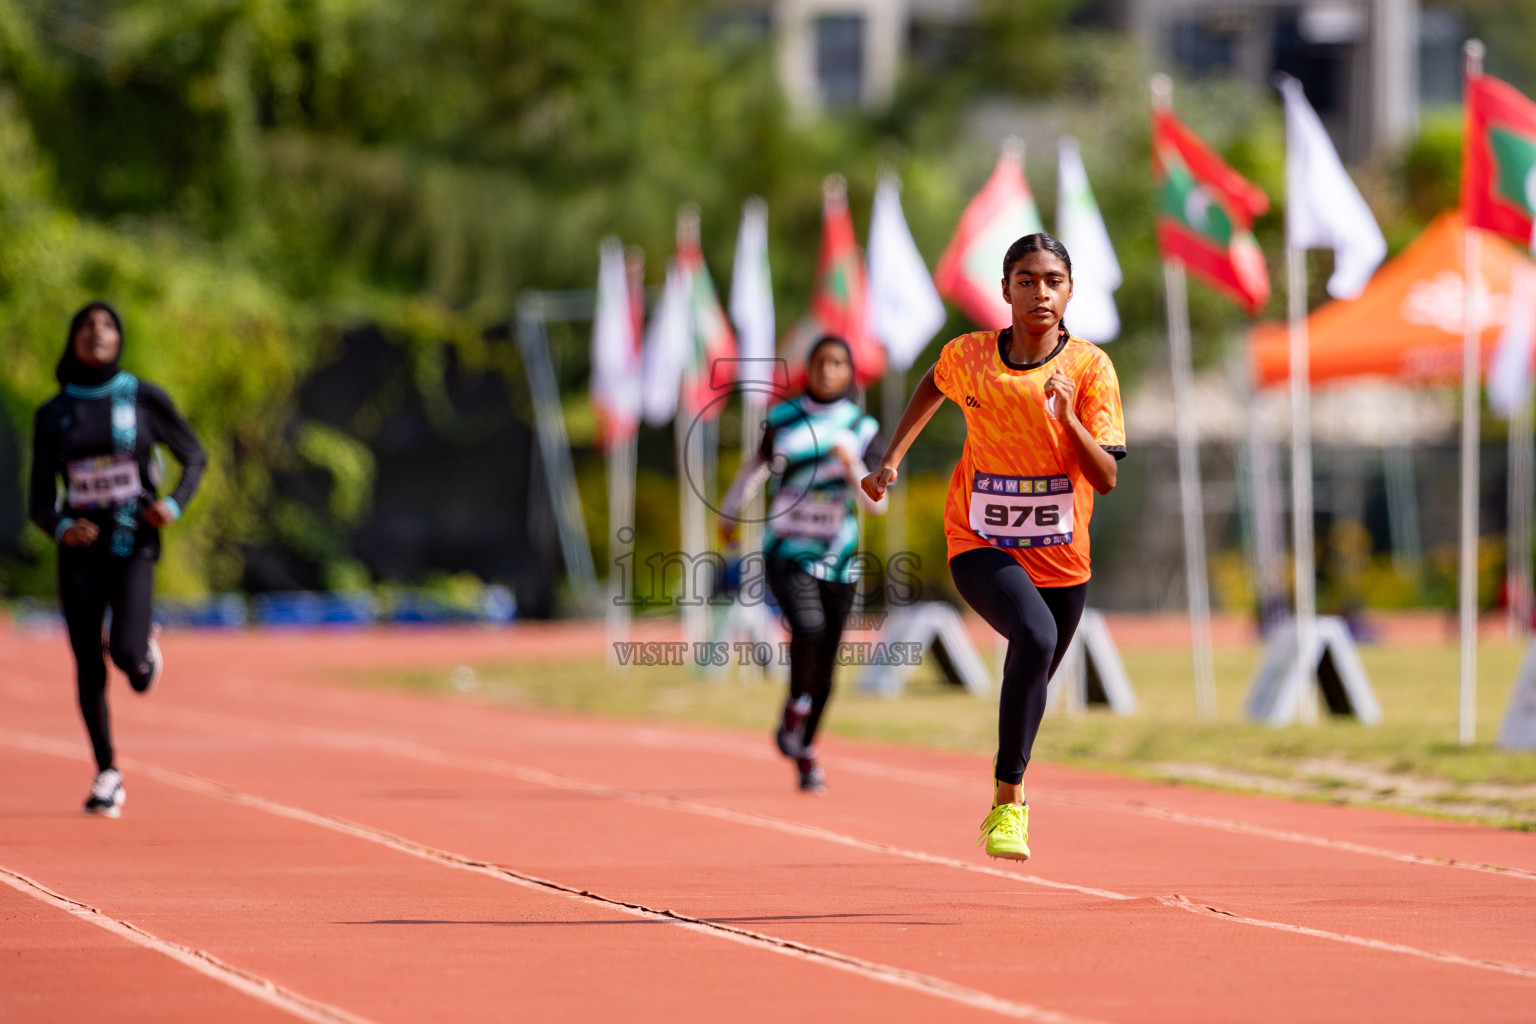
1022	511
105	481
796	513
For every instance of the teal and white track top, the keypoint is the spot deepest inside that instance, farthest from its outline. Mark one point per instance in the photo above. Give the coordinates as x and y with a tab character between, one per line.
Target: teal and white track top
811	518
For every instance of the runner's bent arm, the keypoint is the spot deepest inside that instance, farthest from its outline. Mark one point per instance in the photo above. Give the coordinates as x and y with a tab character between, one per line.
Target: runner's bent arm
754	473
1099	466
925	401
857	468
175	433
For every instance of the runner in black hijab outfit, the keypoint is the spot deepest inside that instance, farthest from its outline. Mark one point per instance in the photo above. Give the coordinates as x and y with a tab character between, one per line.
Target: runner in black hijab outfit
98	435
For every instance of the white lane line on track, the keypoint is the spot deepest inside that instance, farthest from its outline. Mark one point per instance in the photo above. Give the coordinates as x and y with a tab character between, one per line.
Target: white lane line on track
409	750
658	738
1302	838
1181	903
650	736
253	985
868	969
413	751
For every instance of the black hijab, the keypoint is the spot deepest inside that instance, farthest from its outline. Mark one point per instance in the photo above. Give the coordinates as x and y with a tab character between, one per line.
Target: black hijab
831	339
70	369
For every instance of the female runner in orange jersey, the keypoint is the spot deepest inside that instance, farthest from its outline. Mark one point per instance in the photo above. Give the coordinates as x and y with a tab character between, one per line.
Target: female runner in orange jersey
1044	434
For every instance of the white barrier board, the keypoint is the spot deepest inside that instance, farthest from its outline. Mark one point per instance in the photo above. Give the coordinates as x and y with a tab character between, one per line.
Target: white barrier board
1278	689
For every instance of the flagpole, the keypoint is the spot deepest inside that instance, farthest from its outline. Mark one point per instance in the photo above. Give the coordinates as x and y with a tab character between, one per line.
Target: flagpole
1472	280
689	440
1190	499
622	460
1301	483
1189	488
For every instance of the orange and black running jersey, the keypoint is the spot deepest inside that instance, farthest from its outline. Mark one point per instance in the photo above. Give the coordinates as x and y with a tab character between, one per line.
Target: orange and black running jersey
1018	485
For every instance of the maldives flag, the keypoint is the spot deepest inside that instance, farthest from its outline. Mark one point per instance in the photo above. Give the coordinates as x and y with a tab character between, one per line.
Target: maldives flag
712	338
1498	174
1205	213
840	299
970	273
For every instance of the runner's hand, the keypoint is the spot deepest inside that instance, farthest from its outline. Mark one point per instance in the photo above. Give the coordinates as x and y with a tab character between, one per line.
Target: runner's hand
875	483
158	515
1064	390
730	531
846	447
81	533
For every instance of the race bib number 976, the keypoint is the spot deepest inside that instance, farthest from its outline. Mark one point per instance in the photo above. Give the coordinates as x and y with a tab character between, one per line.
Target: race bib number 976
1022	511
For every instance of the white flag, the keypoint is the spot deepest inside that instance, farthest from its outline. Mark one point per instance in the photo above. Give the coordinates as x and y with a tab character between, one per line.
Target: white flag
1095	270
905	310
1509	375
668	345
615	349
752	291
1323	209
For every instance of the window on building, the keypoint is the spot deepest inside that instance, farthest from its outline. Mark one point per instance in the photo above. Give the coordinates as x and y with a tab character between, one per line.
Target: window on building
840	59
1441	33
1203	45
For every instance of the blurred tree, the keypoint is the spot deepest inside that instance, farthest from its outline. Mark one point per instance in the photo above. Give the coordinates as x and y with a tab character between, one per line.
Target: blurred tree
252	178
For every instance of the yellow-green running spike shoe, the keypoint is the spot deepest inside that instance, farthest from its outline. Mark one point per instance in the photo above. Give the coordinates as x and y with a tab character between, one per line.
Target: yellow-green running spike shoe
1006	832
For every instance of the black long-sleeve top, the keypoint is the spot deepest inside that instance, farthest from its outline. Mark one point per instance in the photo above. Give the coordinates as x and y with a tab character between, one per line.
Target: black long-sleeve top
69	428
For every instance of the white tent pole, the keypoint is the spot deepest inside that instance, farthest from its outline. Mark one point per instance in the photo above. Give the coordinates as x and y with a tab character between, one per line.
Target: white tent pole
1472	281
1189	488
1470	387
1402	509
1521	444
1301	482
1268	517
621	541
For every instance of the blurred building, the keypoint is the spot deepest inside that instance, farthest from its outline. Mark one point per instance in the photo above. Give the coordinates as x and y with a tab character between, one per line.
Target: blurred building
1367	65
844	53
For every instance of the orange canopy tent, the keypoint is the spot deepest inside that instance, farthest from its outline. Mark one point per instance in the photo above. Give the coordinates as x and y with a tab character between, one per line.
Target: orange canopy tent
1407	325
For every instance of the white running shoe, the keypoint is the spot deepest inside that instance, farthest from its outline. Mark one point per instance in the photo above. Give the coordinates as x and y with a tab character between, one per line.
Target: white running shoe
107	794
156	662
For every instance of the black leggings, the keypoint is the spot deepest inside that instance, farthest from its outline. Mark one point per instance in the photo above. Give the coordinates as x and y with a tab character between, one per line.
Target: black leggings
90	582
815	611
1039	623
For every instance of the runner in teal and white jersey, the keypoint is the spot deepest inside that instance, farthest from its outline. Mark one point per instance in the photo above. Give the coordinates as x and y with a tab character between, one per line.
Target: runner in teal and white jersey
814	452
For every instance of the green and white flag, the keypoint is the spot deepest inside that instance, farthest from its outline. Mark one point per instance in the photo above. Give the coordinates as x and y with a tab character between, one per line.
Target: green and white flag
1498	175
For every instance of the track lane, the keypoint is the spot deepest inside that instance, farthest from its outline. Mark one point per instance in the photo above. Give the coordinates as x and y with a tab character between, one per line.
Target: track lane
1100	971
1364	897
715	891
223	666
55	967
673	762
394	938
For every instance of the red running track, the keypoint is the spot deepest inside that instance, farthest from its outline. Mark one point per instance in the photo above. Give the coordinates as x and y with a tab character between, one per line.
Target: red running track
292	848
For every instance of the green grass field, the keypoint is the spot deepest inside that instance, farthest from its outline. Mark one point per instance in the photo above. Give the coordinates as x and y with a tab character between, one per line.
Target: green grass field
1411	761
